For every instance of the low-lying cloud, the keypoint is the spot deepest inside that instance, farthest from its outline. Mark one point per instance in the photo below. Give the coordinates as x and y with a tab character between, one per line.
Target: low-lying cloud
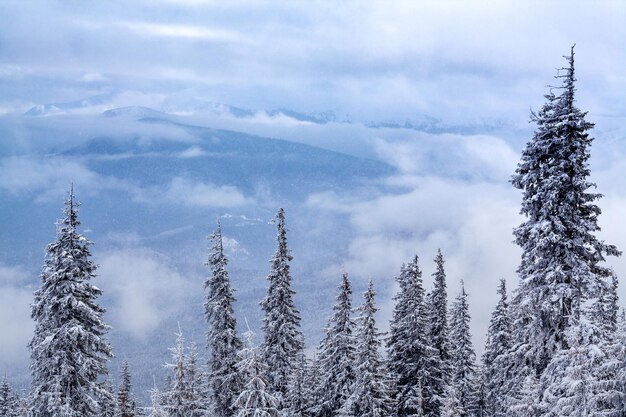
143	288
16	326
48	178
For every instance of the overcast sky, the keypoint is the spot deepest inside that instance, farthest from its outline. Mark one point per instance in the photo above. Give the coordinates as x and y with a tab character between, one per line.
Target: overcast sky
463	62
451	59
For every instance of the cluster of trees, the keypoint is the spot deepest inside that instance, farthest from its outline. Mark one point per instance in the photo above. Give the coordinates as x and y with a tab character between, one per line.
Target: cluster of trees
557	348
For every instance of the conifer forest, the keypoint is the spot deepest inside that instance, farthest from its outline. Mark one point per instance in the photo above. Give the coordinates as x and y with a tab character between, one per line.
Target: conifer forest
556	342
312	208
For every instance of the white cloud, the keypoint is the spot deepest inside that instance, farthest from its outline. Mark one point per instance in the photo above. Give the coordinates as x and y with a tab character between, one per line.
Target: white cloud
91	77
470	222
234	249
16	326
51	177
143	288
449	155
453	194
447	58
192	152
182	31
194	194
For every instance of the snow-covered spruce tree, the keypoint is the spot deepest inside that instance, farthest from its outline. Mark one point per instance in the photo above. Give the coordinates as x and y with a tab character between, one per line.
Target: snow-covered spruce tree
495	357
196	386
157	400
176	398
254	400
613	388
526	404
452	405
609	390
222	341
337	355
464	378
440	369
297	391
370	394
69	350
312	386
107	400
410	356
9	401
569	381
126	405
283	341
561	256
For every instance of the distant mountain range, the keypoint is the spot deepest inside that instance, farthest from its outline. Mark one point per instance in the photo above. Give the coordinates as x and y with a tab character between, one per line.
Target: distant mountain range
173	105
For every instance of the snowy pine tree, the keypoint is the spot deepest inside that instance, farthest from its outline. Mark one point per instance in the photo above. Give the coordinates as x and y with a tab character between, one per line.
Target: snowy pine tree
107	400
197	398
452	406
440	363
569	381
157	400
613	388
69	351
254	400
370	394
337	355
176	398
312	387
126	405
283	341
609	390
495	357
561	256
222	341
526	404
297	390
410	356
464	379
9	401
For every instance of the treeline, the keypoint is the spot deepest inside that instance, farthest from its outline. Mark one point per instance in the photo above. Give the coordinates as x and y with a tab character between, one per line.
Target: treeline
556	348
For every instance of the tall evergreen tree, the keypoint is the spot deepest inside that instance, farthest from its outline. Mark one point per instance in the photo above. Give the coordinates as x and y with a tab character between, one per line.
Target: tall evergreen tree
609	390
69	350
440	370
464	378
526	404
452	406
283	341
254	400
615	388
157	400
561	256
222	341
126	405
176	398
569	381
337	355
370	395
410	356
107	400
196	386
495	357
312	386
297	391
9	401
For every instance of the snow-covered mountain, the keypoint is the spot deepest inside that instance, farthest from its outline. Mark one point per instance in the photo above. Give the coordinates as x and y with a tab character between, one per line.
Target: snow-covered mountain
189	105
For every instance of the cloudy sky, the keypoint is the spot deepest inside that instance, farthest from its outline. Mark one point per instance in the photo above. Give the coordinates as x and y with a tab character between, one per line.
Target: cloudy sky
450	59
469	65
